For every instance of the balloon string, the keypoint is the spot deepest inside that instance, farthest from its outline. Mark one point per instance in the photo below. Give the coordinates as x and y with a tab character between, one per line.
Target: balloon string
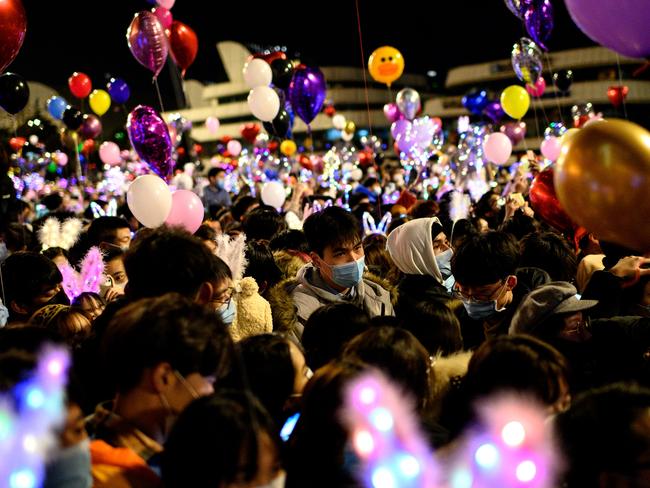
555	92
155	82
363	66
536	122
620	84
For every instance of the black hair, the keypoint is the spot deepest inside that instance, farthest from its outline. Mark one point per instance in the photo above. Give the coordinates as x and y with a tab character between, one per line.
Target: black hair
329	329
331	227
263	223
53	252
214	172
170	328
378	258
103	229
550	252
482	259
424	209
206	233
18	237
52	201
289	240
261	265
112	252
520	225
215	440
434	325
241	206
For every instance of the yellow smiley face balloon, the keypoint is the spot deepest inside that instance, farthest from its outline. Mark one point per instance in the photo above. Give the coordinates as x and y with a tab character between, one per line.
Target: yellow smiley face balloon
386	64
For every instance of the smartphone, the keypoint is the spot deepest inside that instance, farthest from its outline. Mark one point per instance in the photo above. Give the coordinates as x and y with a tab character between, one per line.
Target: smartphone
288	427
107	285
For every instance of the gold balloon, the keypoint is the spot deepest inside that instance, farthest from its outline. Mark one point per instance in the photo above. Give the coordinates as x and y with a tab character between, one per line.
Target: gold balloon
350	127
602	179
568	135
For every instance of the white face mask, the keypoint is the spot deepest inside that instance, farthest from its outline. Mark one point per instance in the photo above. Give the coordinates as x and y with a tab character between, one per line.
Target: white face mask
278	482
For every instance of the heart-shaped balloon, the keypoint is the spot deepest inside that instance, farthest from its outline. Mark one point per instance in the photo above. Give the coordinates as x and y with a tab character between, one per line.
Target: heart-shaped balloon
516	131
545	202
475	101
617	94
250	131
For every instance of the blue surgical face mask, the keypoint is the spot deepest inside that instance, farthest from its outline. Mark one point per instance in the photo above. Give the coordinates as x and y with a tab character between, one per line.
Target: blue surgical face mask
444	263
227	312
482	309
220	184
349	274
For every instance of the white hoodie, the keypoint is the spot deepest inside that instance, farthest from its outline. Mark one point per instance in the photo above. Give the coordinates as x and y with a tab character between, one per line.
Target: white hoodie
411	247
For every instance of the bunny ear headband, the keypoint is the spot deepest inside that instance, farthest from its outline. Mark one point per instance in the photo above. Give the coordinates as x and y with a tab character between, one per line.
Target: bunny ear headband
369	226
233	252
98	211
53	234
88	280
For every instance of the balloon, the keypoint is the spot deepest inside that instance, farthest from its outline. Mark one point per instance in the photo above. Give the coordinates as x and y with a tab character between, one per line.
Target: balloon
392	113
13	25
619	25
72	118
280	125
307	92
550	148
183	45
56	106
273	194
602	178
416	135
399	128
91	127
408	102
526	60
118	90
518	7
538	20
148	42
282	73
288	148
538	89
164	16
212	124
264	103
594	120
497	148
568	135
14	92
168	4
149	137
257	72
150	200
581	113
88	146
475	101
386	64
187	211
545	202
109	153
17	143
250	131
515	131
33	139
563	79
99	101
556	129
338	121
80	84
350	127
515	101
617	94
234	148
494	112
61	158
270	56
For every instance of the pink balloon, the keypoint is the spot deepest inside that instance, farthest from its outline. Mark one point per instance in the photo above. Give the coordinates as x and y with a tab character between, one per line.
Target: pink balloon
538	89
212	124
168	4
550	148
164	16
148	42
61	158
497	148
187	211
234	147
392	113
109	153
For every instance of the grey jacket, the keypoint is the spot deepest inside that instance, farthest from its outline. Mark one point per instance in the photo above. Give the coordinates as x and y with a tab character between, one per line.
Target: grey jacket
308	297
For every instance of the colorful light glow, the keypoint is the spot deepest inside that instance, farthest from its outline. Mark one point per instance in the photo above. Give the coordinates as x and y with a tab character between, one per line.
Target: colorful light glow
487	456
24	478
364	443
383	478
462	478
5	425
382	419
526	471
513	434
367	395
55	367
409	466
30	444
35	398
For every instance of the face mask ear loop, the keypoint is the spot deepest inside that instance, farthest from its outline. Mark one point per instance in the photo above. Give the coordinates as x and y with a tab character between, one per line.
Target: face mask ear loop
2	286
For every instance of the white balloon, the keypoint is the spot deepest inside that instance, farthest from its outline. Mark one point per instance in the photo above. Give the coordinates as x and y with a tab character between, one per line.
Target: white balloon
234	147
338	121
257	72
273	194
264	103
347	137
356	174
150	200
33	139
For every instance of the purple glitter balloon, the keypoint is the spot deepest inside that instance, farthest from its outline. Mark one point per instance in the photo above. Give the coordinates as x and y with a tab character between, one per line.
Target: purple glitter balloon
539	22
307	92
148	42
149	137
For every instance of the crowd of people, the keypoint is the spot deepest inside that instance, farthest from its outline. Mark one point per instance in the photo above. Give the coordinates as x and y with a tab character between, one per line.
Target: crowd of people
195	356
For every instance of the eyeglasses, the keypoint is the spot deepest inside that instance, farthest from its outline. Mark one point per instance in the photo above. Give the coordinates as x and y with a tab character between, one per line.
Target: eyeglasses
224	296
460	295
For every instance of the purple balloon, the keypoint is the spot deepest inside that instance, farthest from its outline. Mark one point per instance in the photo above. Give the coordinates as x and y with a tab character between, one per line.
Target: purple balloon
118	90
414	135
516	131
539	22
399	128
307	92
494	111
149	137
148	42
621	25
518	7
392	113
91	127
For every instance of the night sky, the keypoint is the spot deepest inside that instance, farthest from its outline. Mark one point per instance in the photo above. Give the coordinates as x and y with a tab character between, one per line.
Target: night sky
90	36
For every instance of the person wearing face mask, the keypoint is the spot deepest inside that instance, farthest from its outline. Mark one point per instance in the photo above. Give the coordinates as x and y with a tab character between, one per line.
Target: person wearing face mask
336	271
421	251
490	284
215	193
162	353
114	268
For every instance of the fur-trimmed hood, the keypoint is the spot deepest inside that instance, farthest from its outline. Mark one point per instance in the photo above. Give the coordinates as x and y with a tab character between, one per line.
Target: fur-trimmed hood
444	371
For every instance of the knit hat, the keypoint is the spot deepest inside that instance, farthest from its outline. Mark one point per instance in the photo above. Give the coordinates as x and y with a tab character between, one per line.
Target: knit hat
555	298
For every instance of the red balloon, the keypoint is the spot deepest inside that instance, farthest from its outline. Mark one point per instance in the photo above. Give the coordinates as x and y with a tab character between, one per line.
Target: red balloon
617	94
13	25
330	111
305	162
578	122
17	142
270	57
184	45
250	132
226	139
545	202
198	148
88	147
273	145
80	85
